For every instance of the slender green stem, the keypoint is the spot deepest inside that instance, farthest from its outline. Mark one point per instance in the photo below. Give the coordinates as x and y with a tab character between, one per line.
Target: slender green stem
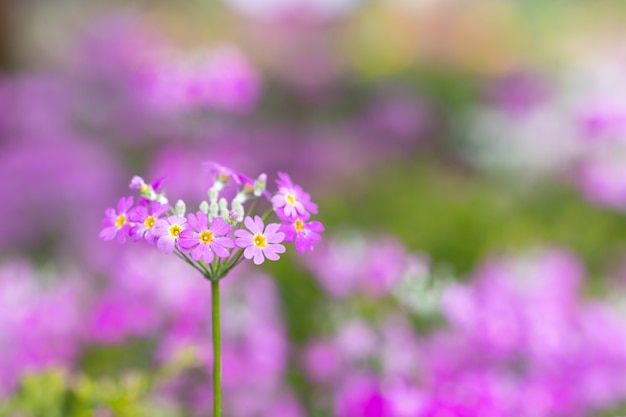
217	394
182	256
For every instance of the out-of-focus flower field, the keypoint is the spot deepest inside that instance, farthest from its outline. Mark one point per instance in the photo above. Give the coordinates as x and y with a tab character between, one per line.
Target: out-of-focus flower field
469	163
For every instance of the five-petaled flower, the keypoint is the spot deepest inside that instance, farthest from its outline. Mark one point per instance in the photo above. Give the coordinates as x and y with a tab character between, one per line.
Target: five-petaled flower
145	219
168	231
116	222
304	233
260	242
203	240
291	202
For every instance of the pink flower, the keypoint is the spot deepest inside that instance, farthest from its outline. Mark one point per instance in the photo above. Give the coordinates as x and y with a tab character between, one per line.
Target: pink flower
204	241
167	232
304	233
116	223
145	218
263	242
291	202
223	174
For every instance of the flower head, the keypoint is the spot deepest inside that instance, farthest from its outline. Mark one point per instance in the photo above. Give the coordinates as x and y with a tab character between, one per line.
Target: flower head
304	233
203	240
260	242
148	192
167	231
116	222
145	218
223	174
291	202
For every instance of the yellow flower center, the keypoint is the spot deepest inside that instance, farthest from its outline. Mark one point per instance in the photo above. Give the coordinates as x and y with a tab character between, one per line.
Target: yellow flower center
206	237
290	199
144	189
120	221
150	222
175	230
299	225
259	241
248	188
223	177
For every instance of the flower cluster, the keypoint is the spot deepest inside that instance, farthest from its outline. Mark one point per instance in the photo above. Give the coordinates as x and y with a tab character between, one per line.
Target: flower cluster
221	232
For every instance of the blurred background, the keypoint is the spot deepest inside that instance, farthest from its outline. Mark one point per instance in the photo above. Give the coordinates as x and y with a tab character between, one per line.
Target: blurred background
468	159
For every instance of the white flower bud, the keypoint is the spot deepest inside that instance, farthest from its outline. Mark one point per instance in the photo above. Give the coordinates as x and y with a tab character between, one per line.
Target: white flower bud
223	204
241	197
161	198
180	208
204	207
213	210
259	185
213	194
240	213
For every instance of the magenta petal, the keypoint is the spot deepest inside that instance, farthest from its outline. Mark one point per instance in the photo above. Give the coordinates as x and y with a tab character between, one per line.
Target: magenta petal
203	220
270	254
124	204
276	238
108	233
289	231
220	251
243	242
194	222
258	222
207	253
166	243
258	257
250	252
138	214
250	224
243	234
159	209
188	239
316	226
219	227
224	241
271	229
275	248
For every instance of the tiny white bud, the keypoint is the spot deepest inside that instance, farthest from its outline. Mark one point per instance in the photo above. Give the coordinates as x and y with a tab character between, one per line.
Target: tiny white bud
180	208
241	197
213	194
223	208
259	185
161	199
213	210
240	213
204	207
218	185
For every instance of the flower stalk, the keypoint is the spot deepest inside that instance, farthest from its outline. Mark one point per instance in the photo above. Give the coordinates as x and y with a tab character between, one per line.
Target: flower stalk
217	346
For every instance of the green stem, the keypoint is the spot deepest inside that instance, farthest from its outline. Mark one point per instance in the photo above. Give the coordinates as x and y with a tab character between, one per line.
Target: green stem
217	394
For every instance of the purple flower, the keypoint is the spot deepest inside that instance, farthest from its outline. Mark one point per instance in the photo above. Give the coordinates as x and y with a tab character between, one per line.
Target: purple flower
145	218
203	240
223	174
260	243
167	232
304	233
116	223
291	202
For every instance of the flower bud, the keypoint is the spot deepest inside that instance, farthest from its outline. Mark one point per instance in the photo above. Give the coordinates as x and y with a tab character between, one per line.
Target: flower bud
223	204
213	194
204	207
180	208
259	185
